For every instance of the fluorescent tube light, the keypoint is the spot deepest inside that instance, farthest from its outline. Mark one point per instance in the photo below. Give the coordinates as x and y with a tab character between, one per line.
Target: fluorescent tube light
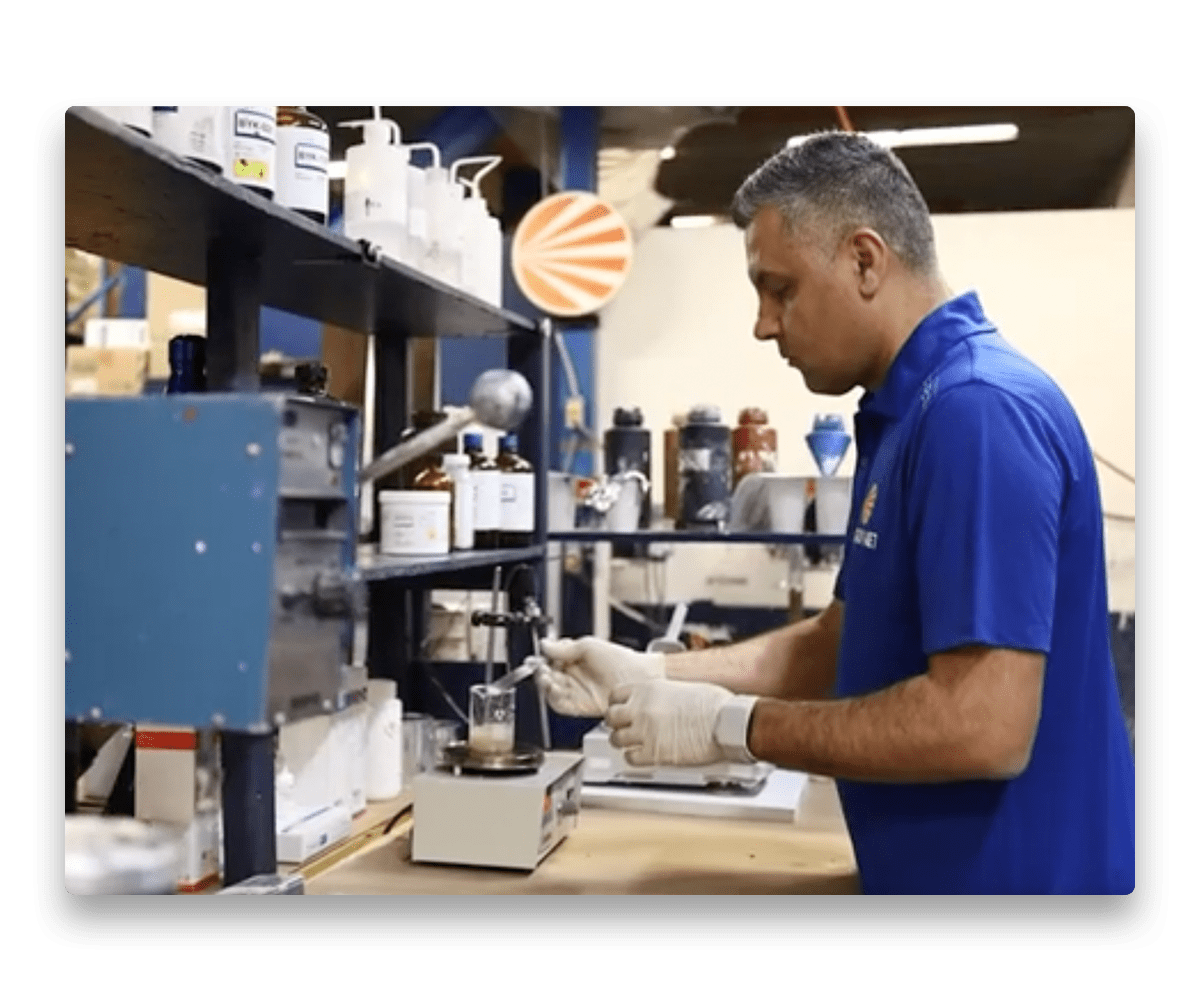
693	221
952	135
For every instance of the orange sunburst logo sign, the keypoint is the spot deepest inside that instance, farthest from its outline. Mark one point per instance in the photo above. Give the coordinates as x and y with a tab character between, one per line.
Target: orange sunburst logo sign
571	253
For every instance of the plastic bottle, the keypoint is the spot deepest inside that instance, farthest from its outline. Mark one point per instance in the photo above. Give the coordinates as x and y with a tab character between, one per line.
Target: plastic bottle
704	468
186	354
249	148
485	482
442	201
479	239
303	162
517	491
384	749
671	468
376	194
754	444
462	526
191	131
417	241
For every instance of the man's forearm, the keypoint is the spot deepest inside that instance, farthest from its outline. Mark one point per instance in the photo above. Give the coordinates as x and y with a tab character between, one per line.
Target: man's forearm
797	661
914	731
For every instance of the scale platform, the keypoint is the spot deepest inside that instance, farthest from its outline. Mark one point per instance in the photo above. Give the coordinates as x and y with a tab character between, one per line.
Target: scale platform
605	764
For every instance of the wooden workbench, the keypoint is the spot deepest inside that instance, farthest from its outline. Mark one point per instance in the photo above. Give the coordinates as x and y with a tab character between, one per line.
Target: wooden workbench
615	852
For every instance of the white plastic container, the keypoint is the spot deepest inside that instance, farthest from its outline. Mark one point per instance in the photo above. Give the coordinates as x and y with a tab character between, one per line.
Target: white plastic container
250	147
443	198
478	235
384	747
458	467
417	242
138	117
193	132
376	194
414	522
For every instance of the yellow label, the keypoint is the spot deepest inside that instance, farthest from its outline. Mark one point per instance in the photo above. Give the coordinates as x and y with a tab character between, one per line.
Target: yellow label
250	169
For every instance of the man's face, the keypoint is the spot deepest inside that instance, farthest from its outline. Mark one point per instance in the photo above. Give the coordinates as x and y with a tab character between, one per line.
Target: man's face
808	304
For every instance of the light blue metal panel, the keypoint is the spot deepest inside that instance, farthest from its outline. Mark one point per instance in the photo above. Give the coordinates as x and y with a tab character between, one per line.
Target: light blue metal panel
171	510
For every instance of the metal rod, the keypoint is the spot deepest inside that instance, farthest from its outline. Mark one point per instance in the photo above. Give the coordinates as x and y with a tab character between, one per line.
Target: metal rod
491	646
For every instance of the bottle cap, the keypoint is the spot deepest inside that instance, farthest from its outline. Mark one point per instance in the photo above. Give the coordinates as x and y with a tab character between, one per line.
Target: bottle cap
752	415
704	414
631	417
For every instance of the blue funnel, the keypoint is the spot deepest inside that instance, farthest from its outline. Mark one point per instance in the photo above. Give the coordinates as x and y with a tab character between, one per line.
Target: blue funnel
828	443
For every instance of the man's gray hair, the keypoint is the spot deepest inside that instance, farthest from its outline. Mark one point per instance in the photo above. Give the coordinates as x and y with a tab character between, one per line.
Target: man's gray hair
836	182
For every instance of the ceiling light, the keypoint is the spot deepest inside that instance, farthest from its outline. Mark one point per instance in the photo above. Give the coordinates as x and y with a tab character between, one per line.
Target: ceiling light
667	153
693	221
953	135
337	170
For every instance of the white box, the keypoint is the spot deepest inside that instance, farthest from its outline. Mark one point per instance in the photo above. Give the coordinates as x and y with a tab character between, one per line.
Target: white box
117	333
311	835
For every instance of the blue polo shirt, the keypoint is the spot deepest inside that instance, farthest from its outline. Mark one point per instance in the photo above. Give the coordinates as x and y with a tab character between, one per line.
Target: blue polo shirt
976	520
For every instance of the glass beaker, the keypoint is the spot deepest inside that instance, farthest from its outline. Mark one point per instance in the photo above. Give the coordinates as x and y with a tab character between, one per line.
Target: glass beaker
493	718
415	735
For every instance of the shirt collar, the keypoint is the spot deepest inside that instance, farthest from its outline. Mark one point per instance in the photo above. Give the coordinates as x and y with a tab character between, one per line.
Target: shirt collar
949	324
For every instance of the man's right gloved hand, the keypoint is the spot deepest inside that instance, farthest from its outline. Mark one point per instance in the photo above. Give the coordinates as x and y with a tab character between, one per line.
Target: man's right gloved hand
584	672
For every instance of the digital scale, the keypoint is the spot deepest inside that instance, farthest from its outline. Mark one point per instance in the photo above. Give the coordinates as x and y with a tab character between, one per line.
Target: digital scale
507	810
605	764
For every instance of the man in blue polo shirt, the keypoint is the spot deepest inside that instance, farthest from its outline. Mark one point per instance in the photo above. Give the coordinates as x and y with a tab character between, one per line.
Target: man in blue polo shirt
960	686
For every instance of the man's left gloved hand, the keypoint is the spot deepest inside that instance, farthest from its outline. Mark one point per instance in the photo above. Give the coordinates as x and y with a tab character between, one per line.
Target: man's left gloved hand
674	723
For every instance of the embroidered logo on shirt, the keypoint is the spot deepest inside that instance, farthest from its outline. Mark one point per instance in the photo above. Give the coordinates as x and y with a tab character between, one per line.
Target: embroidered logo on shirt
867	539
928	388
869	503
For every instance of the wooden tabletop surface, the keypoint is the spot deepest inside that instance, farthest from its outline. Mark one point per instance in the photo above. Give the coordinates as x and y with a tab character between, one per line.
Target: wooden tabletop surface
629	853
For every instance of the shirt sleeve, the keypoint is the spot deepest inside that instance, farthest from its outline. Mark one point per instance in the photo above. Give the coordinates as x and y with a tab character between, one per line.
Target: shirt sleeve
985	501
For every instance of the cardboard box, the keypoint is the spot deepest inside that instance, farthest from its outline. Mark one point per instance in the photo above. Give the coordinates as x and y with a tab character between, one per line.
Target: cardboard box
106	371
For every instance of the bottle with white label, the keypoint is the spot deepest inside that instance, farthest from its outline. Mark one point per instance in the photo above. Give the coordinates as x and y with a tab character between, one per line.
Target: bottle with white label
485	480
302	163
191	131
250	148
462	528
516	496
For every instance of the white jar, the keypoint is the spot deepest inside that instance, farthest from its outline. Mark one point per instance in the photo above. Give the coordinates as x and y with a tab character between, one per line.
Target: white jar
414	522
138	117
192	131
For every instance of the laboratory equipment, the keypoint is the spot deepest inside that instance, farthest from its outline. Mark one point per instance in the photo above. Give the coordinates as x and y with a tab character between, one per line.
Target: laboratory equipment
237	507
490	727
499	399
705	473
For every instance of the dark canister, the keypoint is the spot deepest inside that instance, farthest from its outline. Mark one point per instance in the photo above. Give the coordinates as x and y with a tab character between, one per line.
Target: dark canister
186	355
627	449
705	470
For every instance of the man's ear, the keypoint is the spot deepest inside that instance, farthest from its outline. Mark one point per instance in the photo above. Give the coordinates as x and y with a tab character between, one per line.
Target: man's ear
870	260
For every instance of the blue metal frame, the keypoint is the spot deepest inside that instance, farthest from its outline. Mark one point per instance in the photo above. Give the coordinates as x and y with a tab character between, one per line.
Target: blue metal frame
579	149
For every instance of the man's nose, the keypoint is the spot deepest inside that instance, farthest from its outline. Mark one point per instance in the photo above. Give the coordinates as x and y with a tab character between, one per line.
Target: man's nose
767	326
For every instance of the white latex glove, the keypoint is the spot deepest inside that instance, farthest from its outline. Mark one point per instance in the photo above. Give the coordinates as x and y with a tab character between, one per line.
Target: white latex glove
667	723
583	673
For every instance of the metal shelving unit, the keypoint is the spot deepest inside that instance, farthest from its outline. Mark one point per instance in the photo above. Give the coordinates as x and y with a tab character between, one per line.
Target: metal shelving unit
684	537
130	200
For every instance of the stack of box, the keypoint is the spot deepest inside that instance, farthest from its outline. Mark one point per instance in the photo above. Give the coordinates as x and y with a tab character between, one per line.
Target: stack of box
165	792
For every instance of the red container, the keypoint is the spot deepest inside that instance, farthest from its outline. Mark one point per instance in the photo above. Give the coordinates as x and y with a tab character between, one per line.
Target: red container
754	444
